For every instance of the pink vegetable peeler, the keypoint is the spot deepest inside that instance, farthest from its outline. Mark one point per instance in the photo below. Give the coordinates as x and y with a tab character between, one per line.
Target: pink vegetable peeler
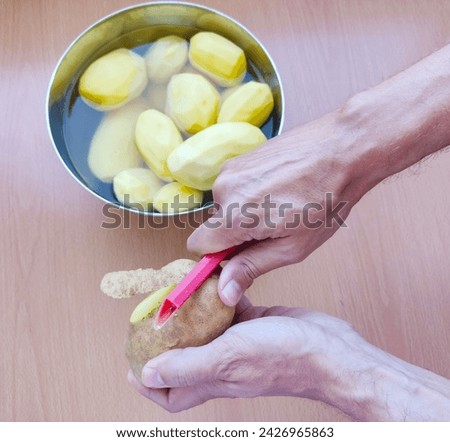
190	283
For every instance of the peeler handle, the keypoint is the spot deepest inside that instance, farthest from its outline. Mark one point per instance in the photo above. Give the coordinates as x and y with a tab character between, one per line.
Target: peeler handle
191	282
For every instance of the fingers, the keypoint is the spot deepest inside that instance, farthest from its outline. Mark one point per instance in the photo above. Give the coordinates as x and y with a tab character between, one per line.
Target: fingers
183	378
213	236
243	305
173	400
240	272
184	367
245	311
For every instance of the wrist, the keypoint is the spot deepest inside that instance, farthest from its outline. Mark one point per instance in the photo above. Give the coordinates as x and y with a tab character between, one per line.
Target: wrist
372	385
371	392
324	359
397	123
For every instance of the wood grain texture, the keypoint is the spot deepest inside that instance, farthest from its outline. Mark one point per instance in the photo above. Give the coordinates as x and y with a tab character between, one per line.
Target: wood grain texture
62	341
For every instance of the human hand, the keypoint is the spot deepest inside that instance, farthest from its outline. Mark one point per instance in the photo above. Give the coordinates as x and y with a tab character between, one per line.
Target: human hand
281	351
311	185
377	133
269	351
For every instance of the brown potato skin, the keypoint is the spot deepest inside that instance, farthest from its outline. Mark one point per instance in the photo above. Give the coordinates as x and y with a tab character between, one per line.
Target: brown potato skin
201	319
129	283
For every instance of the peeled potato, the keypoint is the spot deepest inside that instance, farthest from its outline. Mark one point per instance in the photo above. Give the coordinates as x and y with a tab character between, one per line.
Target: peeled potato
218	58
150	304
136	188
202	318
112	147
192	102
156	138
166	57
197	161
84	47
113	80
250	103
176	198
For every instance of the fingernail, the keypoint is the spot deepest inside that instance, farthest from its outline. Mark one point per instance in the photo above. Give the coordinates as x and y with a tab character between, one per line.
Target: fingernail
231	293
151	378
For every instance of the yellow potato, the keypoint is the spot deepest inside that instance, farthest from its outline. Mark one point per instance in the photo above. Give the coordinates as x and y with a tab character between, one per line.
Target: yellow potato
150	304
166	57
156	138
192	102
197	161
175	198
137	188
113	80
84	47
112	147
252	103
218	58
201	319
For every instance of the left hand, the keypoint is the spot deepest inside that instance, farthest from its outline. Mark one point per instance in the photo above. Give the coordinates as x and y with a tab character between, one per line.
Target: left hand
293	352
269	352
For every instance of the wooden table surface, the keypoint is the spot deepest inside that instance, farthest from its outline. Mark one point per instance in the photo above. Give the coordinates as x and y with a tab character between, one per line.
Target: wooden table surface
61	340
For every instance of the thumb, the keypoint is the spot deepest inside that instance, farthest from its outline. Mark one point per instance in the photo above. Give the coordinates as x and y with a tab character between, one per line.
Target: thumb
183	367
240	272
217	233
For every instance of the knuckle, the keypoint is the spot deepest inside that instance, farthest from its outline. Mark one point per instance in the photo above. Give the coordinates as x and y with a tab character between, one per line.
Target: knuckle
172	373
220	185
235	217
228	165
181	378
332	324
249	269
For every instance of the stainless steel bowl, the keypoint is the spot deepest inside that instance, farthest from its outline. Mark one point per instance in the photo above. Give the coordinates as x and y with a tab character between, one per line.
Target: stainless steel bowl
129	28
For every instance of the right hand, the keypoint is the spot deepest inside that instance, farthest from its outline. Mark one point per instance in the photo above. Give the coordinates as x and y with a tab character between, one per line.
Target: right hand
299	168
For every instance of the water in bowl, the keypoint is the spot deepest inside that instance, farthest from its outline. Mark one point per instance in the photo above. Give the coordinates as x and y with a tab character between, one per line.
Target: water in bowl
81	121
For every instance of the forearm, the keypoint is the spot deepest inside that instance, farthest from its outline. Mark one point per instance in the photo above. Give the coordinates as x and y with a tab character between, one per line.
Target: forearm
371	385
397	123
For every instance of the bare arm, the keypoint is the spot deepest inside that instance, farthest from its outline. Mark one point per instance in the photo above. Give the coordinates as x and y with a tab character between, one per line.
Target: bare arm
399	122
377	133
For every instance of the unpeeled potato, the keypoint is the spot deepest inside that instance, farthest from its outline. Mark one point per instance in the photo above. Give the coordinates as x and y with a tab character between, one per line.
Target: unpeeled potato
201	319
